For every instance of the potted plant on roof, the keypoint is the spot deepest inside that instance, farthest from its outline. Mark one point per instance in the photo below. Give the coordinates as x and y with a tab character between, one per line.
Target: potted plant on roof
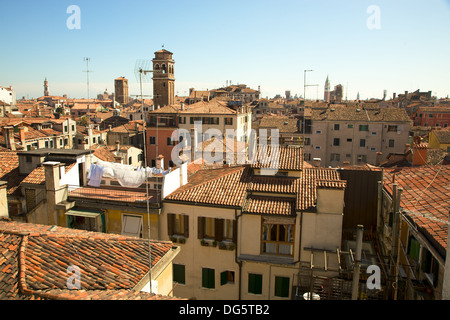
203	243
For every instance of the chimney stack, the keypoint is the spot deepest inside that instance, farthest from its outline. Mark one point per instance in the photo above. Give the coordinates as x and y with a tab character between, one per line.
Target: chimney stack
419	152
8	134
160	162
117	146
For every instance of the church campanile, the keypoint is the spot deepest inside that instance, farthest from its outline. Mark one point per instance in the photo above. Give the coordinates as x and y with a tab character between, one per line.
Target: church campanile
163	79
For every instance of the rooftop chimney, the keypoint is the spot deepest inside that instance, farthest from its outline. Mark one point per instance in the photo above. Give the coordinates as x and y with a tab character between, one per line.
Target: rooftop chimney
160	162
419	152
117	146
8	134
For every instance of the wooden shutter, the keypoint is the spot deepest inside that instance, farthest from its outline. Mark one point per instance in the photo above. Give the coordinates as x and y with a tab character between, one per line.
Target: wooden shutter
170	223
218	229
234	231
186	226
201	227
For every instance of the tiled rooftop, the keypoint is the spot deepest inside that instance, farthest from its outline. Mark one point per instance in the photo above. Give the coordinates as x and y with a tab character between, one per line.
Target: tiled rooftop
359	113
426	190
114	194
234	185
279	157
34	261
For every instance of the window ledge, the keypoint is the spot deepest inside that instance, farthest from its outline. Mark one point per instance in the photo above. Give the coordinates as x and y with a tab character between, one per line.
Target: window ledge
268	258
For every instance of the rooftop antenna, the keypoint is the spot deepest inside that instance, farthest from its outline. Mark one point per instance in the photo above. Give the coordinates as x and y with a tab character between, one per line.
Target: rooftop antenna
142	72
88	108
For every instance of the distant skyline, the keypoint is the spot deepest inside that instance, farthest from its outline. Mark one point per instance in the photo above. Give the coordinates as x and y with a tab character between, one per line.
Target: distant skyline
367	46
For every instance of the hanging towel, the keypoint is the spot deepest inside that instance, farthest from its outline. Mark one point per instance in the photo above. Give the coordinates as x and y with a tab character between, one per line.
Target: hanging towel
95	175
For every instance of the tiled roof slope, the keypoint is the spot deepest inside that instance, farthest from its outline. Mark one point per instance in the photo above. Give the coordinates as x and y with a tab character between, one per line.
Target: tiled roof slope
236	186
34	261
270	205
224	186
9	171
357	113
277	156
426	190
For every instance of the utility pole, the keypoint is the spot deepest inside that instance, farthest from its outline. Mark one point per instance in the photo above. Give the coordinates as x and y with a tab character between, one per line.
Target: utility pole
357	267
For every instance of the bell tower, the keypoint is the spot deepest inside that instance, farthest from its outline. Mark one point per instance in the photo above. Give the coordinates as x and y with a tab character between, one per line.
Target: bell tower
46	92
163	79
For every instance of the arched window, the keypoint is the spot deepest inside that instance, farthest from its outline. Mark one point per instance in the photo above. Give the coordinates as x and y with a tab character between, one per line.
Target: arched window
163	67
156	66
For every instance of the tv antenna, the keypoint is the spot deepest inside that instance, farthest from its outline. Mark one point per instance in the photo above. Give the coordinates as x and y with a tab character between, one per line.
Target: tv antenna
142	71
88	108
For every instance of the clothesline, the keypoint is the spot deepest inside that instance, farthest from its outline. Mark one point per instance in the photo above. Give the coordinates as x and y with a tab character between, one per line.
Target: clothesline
127	175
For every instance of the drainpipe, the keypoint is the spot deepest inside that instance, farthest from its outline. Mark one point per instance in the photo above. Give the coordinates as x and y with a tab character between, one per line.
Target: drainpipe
236	217
356	269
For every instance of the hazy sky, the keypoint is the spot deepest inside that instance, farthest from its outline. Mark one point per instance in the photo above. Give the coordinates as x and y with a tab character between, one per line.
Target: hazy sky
367	46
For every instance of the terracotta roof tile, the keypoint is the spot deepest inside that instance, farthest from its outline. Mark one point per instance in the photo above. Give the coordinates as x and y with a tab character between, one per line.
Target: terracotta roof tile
426	190
269	205
34	261
231	186
278	157
118	194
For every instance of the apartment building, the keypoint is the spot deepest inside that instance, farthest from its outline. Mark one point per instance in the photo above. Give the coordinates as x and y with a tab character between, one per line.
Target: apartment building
340	135
244	234
216	116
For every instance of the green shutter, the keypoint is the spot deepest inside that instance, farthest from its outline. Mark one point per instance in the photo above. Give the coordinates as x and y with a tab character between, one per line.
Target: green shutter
254	283
223	278
282	287
208	278
179	274
414	248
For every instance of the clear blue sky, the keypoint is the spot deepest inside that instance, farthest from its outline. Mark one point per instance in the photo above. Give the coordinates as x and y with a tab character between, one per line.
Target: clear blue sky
257	42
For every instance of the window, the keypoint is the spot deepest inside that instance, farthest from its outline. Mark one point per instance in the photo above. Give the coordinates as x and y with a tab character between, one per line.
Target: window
277	238
361	158
209	227
392	128
130	160
374	133
255	283
350	126
208	280
336	141
349	140
152	140
226	277
228	121
317	147
170	142
73	127
132	225
362	142
363	127
318	132
217	229
391	143
430	266
413	248
335	157
178	224
307	141
336	126
282	287
228	229
65	128
179	273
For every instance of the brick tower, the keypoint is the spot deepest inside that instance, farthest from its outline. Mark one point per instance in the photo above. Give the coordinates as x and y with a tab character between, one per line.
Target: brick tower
163	79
